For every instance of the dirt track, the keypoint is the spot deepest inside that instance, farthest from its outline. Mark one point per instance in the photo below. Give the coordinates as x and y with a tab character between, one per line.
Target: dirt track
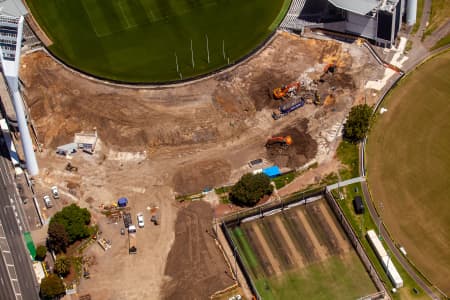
195	249
155	143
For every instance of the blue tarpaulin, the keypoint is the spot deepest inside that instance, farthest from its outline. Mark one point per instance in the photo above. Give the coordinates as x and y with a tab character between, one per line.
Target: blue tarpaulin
273	171
122	202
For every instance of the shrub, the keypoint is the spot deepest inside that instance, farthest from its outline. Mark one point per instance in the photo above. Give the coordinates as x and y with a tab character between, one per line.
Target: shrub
52	287
250	189
41	252
358	123
62	266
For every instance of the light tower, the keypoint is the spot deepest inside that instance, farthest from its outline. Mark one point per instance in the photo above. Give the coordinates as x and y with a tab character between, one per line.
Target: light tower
11	23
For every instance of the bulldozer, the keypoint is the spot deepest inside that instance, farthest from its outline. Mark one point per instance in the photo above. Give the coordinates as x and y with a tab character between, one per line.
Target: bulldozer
279	142
286	90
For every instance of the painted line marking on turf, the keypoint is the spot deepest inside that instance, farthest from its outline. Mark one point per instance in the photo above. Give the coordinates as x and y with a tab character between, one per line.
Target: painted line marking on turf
126	14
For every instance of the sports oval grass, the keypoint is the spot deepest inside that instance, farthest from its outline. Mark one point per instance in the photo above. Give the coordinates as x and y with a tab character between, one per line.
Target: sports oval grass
409	167
144	40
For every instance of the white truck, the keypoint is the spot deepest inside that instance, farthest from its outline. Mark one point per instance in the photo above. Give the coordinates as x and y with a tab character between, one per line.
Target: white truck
132	239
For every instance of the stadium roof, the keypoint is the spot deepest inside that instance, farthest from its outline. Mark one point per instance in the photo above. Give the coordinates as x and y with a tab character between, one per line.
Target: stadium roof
361	7
13	8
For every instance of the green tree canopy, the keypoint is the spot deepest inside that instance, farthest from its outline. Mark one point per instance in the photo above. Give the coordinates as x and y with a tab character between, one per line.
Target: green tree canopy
57	239
75	220
62	266
358	123
41	252
52	287
250	189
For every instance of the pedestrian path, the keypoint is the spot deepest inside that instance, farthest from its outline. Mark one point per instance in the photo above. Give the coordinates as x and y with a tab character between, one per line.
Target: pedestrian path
345	183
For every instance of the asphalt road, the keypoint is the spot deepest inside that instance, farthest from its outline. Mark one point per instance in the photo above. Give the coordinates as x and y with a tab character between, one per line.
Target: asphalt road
18	261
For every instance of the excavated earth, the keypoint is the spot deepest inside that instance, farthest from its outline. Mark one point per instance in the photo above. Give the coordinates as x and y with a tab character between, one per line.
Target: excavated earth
158	142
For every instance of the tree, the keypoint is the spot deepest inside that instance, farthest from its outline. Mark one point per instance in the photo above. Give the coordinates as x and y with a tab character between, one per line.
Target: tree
358	123
57	239
41	252
62	266
52	287
75	220
250	189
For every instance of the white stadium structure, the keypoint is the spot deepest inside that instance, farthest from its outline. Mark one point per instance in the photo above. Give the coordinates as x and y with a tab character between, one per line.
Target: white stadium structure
375	20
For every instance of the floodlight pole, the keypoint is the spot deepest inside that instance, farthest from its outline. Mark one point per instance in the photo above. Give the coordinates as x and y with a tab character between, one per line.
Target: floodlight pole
176	62
207	47
192	56
223	48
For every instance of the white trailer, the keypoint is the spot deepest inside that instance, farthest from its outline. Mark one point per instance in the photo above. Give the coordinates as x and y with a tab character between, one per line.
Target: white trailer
385	259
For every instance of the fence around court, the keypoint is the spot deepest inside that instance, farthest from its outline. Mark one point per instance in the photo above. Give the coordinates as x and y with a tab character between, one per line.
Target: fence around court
301	198
358	247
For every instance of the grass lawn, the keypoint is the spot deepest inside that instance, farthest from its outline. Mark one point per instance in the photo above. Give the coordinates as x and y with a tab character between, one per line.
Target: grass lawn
362	223
442	42
440	12
140	40
408	158
348	154
335	278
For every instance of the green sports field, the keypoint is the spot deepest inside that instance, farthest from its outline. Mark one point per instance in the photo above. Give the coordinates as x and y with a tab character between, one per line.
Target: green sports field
409	167
140	40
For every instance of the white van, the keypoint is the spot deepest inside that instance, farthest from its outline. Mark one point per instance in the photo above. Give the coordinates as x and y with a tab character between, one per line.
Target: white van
48	201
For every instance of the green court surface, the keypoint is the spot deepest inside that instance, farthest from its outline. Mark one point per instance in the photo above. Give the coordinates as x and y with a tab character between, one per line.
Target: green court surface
143	40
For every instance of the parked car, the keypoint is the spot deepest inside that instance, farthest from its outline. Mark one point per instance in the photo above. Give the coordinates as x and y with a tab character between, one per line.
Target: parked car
48	201
140	219
55	192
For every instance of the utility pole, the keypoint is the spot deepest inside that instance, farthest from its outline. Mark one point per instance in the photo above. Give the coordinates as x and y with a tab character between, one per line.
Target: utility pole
192	56
223	48
207	46
176	62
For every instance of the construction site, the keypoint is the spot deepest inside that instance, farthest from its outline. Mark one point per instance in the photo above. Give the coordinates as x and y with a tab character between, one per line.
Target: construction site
284	106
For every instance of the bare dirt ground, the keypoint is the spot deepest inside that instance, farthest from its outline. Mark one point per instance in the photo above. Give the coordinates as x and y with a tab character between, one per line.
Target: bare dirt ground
156	143
195	248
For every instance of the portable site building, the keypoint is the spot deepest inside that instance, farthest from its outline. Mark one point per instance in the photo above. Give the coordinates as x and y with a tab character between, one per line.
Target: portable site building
358	205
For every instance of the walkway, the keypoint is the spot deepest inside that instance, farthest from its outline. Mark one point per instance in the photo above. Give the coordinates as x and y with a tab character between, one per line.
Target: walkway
345	183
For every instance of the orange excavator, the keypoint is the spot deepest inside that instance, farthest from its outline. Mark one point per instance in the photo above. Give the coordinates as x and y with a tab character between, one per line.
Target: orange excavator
286	90
279	141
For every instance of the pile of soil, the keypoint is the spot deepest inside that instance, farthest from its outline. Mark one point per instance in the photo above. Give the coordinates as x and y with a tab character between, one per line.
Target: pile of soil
195	177
303	148
195	264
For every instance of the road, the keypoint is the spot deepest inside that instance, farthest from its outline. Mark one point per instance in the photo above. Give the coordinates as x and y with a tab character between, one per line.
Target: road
17	279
